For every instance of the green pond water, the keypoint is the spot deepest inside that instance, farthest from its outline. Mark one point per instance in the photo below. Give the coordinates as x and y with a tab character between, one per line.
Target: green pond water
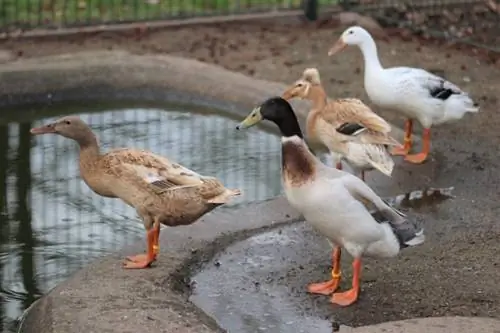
51	224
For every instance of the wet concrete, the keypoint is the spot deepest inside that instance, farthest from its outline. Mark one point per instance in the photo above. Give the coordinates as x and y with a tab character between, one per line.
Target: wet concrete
258	284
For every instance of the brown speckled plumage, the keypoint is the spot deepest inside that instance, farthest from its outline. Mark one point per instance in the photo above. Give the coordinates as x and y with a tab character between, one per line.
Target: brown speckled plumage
326	114
155	186
364	149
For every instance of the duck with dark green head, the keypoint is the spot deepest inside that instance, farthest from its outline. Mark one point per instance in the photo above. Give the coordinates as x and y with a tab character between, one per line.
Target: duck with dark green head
333	202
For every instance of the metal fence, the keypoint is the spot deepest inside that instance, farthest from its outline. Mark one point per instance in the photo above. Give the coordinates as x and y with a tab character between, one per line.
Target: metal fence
467	21
30	14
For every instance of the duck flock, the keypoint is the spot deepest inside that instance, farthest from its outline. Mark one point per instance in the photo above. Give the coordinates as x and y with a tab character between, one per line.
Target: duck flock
340	205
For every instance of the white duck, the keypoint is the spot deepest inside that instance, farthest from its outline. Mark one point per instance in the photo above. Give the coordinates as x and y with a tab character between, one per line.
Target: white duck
333	201
414	92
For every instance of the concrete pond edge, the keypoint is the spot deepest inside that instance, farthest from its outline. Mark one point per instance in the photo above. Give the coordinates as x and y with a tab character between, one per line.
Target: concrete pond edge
103	297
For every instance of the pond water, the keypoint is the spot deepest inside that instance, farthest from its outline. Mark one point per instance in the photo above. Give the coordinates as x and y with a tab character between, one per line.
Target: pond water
51	224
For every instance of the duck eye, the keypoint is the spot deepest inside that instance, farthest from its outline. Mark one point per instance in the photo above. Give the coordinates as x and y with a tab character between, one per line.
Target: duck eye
67	122
351	32
299	85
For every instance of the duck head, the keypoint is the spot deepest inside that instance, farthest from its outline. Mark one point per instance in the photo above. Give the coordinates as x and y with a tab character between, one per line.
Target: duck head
351	36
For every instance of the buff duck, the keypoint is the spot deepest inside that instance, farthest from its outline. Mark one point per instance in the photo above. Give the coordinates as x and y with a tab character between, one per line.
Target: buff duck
161	191
345	221
347	127
414	92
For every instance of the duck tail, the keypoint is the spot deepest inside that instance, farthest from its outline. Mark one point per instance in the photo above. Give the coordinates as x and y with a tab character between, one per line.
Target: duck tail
381	160
417	239
225	196
408	233
456	106
385	168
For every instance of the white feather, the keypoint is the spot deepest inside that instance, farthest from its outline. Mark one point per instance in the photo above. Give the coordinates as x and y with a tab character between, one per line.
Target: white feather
363	156
334	203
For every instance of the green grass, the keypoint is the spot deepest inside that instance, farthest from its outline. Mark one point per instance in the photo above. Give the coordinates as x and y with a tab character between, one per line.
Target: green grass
31	13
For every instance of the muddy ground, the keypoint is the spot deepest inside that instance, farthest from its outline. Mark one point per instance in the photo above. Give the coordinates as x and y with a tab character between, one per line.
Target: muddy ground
456	273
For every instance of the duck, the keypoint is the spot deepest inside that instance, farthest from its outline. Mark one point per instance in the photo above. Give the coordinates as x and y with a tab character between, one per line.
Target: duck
346	126
336	203
413	92
160	190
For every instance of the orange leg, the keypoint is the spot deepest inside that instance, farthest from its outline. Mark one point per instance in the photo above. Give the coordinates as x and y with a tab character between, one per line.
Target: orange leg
156	240
349	297
145	260
329	287
405	149
422	156
339	165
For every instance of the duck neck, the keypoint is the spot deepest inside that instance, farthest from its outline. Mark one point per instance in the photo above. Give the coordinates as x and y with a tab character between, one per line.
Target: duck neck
370	56
317	96
89	148
289	126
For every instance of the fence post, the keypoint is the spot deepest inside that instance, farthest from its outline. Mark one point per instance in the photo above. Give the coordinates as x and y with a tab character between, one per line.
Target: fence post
345	4
311	9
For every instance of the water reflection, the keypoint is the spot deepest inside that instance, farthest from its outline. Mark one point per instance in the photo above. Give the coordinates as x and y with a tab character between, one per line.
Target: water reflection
25	237
4	146
51	224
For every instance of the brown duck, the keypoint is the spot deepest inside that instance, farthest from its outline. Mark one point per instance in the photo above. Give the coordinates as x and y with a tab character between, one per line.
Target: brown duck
161	191
349	128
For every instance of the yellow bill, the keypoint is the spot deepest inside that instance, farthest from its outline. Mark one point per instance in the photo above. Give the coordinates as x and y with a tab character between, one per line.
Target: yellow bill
253	118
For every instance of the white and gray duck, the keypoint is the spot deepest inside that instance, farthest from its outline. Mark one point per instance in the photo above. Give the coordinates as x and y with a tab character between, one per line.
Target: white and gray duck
413	92
336	203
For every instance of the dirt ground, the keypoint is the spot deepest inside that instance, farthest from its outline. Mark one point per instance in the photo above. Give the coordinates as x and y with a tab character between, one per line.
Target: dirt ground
458	273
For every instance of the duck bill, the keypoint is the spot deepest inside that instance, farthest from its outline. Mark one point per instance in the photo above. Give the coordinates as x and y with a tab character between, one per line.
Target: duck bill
253	118
43	130
337	47
288	94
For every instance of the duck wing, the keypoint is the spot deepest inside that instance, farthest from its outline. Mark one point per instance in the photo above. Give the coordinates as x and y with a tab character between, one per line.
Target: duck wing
352	110
405	229
152	169
368	197
354	120
356	131
161	174
431	84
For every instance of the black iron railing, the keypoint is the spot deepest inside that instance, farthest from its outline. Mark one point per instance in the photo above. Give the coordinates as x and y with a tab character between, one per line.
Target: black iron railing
29	14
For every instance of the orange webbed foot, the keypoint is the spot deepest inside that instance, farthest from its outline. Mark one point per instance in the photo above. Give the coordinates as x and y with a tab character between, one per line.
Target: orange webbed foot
345	298
324	288
400	151
138	264
137	258
139	261
416	158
